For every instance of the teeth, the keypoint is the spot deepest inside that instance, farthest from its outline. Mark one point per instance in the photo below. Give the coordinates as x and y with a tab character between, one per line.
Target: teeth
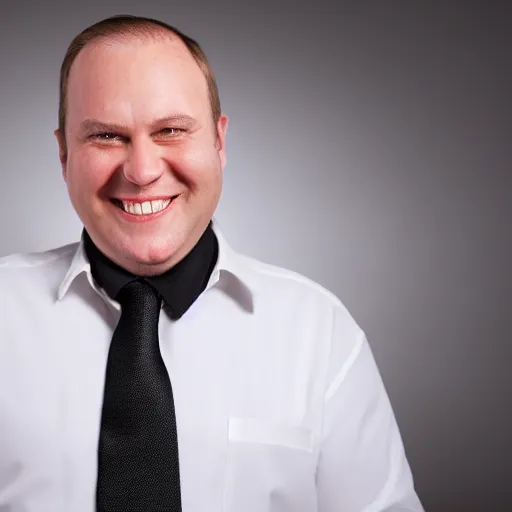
145	208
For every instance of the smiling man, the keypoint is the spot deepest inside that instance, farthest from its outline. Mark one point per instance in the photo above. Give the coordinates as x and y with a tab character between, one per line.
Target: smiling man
151	367
141	145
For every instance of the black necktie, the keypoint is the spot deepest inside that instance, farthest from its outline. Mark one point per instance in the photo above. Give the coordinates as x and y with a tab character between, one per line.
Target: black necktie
138	465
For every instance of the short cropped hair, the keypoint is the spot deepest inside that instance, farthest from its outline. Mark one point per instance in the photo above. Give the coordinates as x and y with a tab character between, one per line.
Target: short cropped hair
133	26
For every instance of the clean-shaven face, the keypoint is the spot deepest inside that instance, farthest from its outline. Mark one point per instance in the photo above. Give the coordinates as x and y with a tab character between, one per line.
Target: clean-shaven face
142	157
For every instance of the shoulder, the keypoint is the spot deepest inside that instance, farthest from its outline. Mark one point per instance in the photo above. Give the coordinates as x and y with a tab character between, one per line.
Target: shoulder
285	289
279	280
39	259
280	289
43	268
306	307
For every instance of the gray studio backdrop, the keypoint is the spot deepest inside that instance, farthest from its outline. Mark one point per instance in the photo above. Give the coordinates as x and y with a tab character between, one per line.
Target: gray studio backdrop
369	149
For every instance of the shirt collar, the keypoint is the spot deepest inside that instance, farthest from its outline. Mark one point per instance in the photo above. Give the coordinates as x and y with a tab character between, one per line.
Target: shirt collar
179	287
229	273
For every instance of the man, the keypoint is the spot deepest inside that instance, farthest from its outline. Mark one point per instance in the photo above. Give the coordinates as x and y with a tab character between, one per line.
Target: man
150	367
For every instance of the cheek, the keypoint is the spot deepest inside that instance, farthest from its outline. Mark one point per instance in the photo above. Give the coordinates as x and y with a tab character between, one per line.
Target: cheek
90	170
200	166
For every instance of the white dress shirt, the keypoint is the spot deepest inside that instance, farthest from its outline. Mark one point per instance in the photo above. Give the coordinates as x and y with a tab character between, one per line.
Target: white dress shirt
279	404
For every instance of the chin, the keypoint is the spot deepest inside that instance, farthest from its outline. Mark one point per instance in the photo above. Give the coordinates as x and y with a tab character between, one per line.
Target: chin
152	257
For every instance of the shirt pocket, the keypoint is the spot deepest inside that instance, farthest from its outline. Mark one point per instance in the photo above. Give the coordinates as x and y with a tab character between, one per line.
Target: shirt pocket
270	467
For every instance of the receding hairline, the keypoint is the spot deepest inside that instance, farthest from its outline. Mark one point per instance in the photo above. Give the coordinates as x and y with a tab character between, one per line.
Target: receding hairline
113	41
128	36
145	32
127	29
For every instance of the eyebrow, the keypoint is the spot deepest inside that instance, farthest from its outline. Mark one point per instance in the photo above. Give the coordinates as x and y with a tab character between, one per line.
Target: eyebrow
91	125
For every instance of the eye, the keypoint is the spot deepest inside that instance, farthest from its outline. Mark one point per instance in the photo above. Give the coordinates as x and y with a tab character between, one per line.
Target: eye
172	131
107	139
106	136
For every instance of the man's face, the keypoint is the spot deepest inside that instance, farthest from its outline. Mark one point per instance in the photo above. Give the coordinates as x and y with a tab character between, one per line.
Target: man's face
139	128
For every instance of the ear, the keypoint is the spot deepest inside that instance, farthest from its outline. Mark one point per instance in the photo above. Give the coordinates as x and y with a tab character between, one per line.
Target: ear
63	151
222	128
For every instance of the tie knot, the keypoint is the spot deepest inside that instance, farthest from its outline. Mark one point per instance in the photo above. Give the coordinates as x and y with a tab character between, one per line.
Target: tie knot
139	294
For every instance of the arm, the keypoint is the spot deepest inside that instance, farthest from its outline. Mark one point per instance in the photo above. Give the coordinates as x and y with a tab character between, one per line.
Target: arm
362	465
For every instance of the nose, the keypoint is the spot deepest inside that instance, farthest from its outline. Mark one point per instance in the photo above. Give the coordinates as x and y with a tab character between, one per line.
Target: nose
144	164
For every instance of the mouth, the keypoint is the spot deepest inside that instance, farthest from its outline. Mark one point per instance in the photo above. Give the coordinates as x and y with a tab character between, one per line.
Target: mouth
143	208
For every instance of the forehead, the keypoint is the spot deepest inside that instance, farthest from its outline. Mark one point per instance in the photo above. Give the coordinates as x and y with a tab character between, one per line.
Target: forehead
134	79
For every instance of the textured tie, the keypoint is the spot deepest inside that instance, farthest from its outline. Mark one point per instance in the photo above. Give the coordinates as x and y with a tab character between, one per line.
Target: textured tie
138	464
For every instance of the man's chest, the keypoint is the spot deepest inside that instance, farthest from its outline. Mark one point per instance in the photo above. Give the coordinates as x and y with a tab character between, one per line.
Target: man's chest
248	396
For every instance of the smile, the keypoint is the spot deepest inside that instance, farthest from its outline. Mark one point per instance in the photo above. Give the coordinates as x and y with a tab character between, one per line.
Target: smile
143	208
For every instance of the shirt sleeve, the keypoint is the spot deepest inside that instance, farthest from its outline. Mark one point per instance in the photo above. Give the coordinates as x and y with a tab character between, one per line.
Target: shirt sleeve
362	465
